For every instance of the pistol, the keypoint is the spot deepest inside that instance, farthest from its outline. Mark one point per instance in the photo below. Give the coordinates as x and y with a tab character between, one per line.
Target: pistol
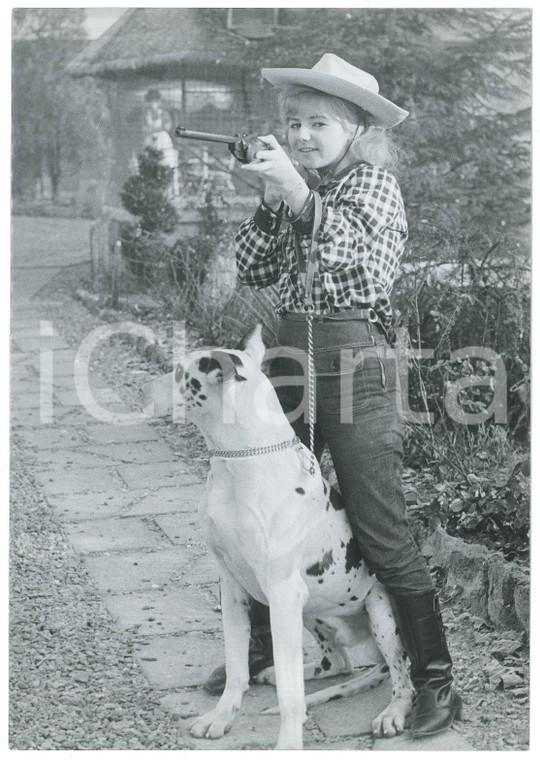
242	148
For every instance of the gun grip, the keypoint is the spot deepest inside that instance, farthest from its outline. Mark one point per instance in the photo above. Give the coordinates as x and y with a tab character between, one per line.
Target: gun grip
240	150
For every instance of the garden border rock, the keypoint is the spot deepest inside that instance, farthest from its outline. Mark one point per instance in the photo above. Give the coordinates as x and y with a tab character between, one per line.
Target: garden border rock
488	585
491	587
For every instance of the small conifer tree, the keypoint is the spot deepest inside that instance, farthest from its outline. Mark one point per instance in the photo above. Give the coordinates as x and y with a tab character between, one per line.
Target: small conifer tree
145	194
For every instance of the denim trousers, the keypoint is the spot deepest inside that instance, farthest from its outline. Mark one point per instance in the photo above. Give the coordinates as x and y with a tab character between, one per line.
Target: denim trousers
357	414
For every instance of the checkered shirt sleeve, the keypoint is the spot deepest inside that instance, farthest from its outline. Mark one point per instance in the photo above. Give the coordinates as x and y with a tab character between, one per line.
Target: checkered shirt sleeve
360	243
257	254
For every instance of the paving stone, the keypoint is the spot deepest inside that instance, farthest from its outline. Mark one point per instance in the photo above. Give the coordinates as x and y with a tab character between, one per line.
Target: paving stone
204	570
69	458
62	383
143	452
181	528
30	344
352	743
25	400
102	396
63	362
55	438
159	474
250	730
32	417
91	506
24	385
175	499
25	307
27	326
18	358
111	535
61	356
351	716
58	479
83	417
21	371
138	571
449	741
108	412
164	611
133	433
170	662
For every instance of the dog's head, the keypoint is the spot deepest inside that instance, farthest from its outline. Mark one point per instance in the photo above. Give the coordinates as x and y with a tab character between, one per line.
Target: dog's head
206	382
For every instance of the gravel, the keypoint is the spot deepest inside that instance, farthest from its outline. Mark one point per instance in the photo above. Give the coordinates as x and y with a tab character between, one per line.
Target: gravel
75	684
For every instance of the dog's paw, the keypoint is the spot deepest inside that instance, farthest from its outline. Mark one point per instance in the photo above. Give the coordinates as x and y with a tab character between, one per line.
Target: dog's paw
212	725
391	721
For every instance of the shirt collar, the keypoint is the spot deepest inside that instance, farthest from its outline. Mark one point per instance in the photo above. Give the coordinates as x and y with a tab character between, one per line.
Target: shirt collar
329	178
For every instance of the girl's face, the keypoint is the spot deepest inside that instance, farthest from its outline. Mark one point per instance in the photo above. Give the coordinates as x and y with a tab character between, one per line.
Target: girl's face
317	140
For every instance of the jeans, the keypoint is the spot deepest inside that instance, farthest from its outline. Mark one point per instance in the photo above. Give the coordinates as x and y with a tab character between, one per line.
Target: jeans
358	417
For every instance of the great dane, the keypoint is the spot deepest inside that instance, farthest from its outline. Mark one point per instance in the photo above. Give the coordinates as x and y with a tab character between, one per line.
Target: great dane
280	535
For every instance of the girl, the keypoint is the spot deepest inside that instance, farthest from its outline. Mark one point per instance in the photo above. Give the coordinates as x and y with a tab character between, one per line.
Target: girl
336	128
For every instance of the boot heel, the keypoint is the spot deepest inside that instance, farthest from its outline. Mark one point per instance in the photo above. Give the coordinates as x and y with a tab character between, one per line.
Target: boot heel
459	712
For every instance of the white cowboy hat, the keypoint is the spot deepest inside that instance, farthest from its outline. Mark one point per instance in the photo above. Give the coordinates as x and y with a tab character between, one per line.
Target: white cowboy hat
336	77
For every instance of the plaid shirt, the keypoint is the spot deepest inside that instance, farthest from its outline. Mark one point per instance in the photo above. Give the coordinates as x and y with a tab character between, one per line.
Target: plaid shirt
360	243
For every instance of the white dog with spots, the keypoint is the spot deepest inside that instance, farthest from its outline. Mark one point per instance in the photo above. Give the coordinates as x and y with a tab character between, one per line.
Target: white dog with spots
282	537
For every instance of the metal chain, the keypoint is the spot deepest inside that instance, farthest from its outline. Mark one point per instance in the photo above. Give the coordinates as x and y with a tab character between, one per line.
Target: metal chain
311	393
255	451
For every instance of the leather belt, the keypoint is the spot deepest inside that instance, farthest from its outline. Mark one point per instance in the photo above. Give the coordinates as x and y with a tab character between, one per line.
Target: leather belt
368	315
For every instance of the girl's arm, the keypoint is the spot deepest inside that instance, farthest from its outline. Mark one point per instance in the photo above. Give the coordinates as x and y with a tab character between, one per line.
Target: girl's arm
257	245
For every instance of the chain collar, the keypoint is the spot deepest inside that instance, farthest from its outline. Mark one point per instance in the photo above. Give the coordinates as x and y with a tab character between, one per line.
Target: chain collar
255	451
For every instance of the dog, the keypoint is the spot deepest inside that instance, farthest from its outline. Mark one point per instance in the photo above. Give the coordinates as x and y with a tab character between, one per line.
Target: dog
280	535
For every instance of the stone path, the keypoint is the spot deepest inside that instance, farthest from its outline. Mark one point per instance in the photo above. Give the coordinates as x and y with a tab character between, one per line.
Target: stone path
128	505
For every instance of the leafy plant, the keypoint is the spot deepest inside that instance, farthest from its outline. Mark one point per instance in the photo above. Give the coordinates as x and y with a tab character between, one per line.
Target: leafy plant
474	506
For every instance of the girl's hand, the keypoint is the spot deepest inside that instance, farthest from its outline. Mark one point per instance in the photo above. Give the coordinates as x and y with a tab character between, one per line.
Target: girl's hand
276	168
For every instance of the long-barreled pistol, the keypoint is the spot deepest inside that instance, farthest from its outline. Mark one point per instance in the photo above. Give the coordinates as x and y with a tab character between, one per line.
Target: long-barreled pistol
242	147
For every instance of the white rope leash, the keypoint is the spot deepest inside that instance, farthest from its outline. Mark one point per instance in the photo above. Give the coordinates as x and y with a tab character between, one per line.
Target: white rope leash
311	393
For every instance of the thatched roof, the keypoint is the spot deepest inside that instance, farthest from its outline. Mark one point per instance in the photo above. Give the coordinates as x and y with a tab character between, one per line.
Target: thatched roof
144	38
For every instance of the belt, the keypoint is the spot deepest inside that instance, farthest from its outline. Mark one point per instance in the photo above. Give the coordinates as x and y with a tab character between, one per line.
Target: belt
368	315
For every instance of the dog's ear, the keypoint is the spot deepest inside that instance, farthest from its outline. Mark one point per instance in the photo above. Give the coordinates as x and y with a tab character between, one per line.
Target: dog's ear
221	366
254	345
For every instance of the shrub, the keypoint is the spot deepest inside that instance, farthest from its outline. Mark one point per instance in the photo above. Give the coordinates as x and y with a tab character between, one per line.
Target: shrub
145	194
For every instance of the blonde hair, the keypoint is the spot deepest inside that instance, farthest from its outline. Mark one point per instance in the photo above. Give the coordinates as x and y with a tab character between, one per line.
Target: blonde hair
373	145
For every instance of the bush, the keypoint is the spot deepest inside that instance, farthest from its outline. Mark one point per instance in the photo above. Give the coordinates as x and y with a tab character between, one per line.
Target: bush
145	194
173	271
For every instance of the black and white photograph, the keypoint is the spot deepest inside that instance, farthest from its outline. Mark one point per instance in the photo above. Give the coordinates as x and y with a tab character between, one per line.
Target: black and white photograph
269	370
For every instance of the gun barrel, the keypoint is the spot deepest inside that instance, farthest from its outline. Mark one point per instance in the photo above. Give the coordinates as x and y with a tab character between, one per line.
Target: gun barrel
208	136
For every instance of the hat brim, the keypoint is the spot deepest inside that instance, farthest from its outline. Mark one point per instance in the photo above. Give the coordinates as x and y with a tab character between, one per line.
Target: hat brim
384	112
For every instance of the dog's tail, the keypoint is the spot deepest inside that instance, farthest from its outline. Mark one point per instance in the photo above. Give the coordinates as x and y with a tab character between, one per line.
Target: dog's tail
356	685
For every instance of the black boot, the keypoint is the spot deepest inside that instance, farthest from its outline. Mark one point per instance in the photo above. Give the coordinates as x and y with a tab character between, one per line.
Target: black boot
260	648
436	704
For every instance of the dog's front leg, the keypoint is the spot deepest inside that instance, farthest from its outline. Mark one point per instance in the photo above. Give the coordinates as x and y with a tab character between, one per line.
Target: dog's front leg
286	604
236	627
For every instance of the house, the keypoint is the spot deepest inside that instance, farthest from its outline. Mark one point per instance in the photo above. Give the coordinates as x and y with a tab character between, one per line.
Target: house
160	67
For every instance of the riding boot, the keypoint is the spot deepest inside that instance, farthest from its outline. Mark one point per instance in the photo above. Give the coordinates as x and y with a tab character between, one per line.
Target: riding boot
260	648
436	704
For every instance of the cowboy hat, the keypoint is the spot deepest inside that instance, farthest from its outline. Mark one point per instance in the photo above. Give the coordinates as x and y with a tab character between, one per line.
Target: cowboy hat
336	77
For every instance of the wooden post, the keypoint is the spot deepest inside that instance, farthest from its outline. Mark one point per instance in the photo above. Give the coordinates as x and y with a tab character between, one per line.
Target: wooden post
115	272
